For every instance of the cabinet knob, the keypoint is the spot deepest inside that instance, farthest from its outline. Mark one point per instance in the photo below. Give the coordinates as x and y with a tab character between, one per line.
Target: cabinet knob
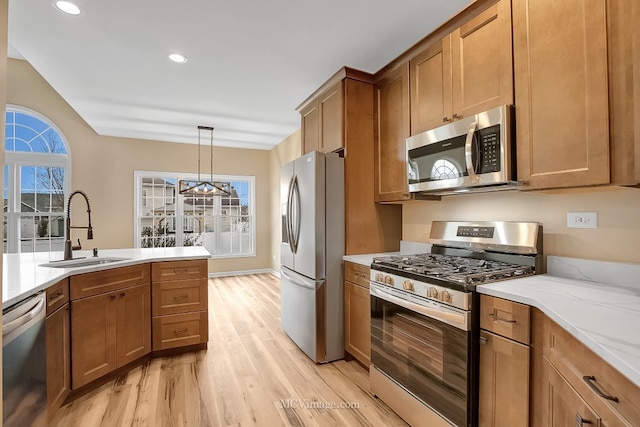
445	120
112	297
456	116
122	294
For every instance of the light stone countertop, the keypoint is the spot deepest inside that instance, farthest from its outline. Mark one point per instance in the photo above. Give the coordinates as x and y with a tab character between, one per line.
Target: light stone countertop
22	274
605	317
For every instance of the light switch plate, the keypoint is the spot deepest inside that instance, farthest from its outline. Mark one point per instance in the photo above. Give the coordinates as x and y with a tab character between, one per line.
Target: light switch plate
582	219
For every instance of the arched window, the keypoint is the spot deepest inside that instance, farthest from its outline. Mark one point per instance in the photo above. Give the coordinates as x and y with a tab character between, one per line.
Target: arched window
36	181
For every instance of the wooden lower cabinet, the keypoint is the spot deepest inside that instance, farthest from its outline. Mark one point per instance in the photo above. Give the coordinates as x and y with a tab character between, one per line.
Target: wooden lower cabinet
109	330
504	382
180	330
58	358
562	405
357	312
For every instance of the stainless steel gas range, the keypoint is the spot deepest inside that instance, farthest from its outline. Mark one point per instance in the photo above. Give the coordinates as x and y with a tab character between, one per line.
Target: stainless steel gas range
424	316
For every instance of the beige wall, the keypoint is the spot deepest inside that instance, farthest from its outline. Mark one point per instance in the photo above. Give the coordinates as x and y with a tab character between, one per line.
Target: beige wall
288	150
4	7
617	237
103	167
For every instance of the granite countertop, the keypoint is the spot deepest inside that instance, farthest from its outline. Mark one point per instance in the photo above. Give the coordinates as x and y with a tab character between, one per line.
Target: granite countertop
23	275
603	316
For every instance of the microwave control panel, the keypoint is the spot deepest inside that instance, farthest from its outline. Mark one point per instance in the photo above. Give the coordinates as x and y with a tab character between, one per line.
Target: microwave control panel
490	149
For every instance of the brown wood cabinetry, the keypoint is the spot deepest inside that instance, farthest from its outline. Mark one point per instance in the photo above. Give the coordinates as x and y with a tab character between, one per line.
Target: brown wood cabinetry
180	303
357	312
369	227
111	321
392	129
58	344
570	383
504	363
574	66
466	72
322	120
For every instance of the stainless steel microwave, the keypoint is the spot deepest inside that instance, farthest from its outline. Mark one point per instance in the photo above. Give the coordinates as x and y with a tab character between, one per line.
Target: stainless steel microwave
470	154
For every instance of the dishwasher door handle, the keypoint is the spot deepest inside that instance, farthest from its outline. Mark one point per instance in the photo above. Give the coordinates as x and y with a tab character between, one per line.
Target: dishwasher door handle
24	319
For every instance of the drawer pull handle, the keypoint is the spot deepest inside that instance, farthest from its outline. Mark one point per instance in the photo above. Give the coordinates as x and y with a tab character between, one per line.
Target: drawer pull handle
581	421
590	380
55	296
180	331
181	297
496	318
180	270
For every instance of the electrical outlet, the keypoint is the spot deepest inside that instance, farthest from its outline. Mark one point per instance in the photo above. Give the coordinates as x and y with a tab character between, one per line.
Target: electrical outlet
582	219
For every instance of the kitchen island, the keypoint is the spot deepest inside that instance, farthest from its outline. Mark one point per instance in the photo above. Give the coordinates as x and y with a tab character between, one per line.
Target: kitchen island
96	317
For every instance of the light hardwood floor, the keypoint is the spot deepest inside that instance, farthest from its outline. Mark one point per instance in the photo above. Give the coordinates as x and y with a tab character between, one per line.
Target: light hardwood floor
251	375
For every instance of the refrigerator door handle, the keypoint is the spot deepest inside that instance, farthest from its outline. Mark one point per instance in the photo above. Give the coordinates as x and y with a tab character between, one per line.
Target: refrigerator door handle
295	195
289	215
296	282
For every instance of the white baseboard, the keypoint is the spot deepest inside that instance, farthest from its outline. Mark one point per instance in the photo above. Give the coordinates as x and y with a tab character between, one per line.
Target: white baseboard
243	272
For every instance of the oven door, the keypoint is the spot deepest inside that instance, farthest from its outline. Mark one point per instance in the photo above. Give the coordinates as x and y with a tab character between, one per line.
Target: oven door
425	349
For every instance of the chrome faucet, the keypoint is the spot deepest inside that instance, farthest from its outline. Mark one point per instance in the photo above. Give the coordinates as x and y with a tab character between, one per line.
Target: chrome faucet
68	248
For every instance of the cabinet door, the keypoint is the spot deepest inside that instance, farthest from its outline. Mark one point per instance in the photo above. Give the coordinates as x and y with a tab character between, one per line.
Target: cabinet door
330	103
561	92
93	338
482	62
504	382
357	321
310	127
430	86
133	323
58	358
392	129
563	406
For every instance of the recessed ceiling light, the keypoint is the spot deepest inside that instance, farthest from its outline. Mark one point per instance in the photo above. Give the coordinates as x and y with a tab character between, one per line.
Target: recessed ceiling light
68	7
179	58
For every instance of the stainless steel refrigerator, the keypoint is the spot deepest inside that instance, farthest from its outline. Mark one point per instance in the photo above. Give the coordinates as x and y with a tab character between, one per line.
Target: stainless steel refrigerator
311	286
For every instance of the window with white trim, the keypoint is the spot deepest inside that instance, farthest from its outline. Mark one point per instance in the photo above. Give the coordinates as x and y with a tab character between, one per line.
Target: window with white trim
224	225
36	181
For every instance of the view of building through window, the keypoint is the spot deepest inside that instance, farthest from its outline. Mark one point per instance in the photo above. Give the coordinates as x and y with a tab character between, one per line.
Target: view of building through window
224	225
35	183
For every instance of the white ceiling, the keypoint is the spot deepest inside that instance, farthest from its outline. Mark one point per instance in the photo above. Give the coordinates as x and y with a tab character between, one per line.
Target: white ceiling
250	62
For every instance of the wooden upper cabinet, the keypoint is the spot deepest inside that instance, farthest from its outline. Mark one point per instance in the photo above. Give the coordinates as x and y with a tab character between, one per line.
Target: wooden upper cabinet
466	72
482	62
392	129
310	127
561	92
430	85
330	103
322	120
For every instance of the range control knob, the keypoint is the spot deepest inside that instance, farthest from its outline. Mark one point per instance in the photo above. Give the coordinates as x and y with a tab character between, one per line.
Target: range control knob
408	285
444	296
380	277
388	280
432	292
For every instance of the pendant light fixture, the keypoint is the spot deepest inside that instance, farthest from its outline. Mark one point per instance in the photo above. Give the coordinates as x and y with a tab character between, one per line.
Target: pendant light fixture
204	188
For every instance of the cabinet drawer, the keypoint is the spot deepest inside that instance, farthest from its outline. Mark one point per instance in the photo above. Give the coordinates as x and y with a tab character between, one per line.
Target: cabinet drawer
356	273
57	295
179	270
590	375
180	330
181	296
99	282
507	318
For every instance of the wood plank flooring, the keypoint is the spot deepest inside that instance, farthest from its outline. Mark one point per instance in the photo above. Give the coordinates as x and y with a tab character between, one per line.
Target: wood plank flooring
251	375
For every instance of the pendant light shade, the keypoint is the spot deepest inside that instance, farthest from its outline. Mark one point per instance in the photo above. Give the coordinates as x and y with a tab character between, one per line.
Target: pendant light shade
201	187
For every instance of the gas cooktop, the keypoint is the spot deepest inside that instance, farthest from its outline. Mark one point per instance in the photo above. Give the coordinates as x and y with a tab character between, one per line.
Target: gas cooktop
452	268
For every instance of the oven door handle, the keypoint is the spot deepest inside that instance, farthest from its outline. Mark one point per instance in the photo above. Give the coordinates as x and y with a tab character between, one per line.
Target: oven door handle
457	320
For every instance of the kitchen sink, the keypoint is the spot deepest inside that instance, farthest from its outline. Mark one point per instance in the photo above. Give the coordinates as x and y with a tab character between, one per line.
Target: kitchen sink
83	262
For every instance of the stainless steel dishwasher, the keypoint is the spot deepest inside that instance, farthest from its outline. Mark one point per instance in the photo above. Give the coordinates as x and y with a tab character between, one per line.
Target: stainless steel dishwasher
24	363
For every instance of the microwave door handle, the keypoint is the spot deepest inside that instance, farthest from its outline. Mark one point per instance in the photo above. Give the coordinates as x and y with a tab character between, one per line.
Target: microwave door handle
468	153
